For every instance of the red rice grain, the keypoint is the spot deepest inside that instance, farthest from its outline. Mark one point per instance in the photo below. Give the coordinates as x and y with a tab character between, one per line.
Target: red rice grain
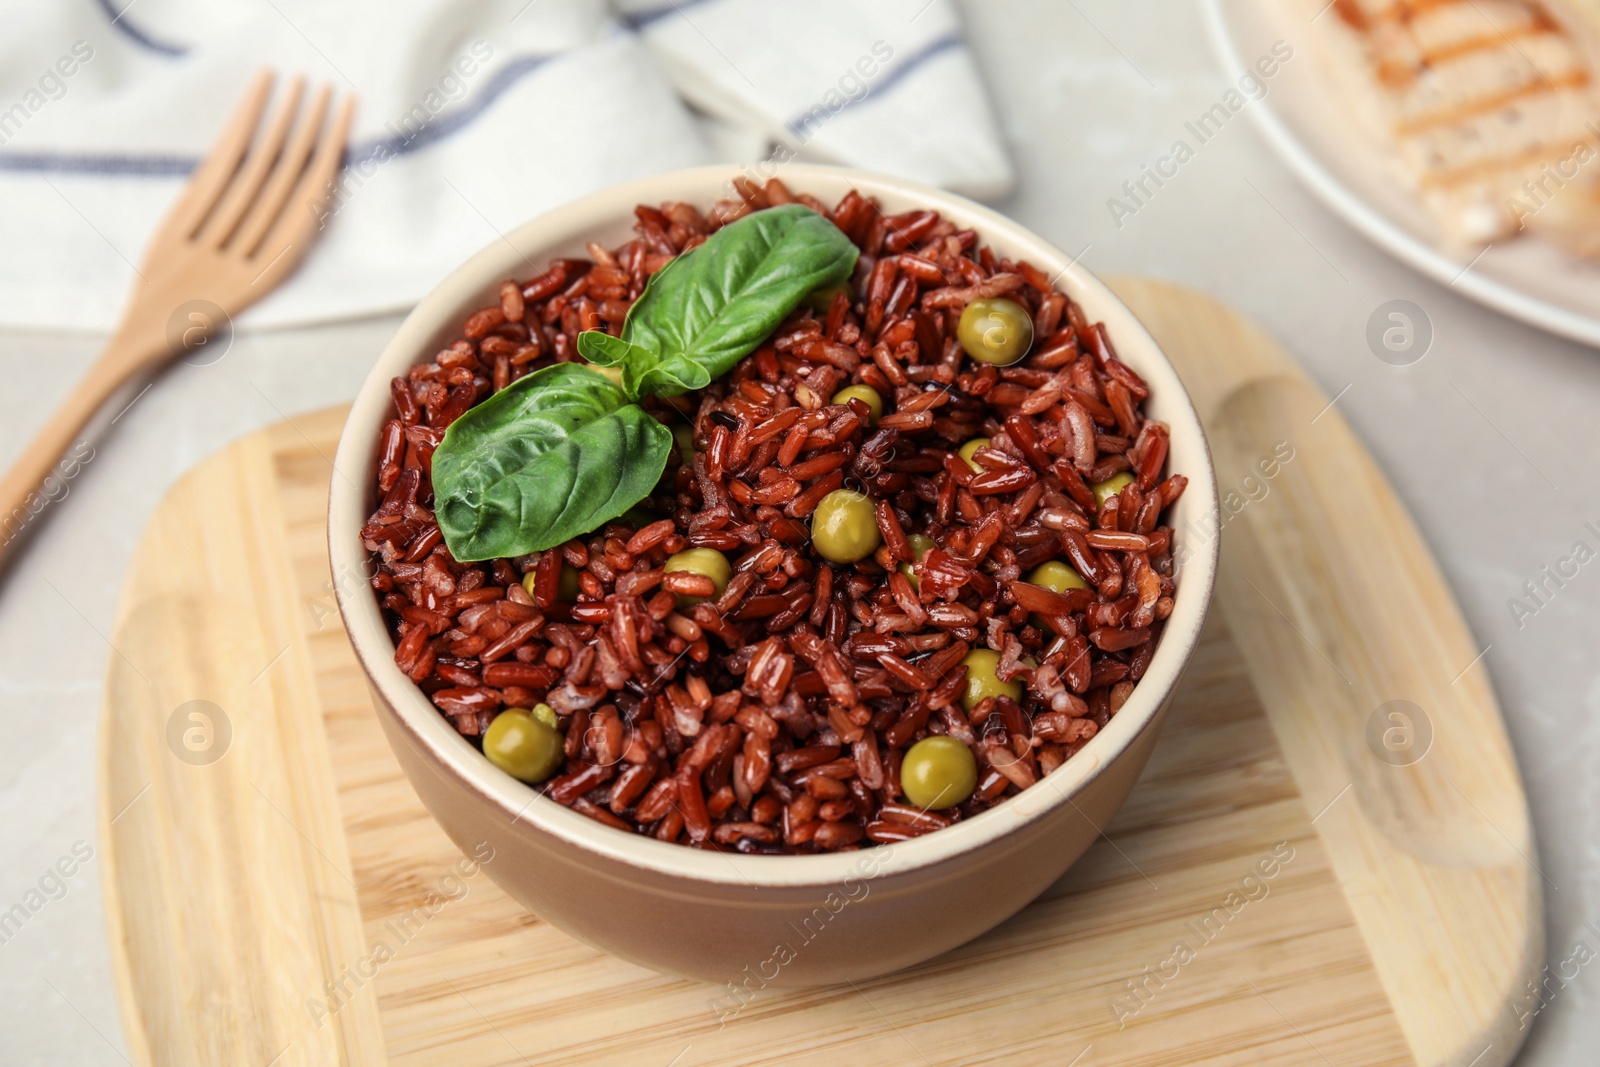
773	718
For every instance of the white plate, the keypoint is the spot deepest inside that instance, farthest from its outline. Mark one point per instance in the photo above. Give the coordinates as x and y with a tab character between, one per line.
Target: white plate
1317	135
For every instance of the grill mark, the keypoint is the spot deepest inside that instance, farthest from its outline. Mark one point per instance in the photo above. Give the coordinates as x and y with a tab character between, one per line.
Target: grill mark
1397	75
1407	11
1480	108
1548	151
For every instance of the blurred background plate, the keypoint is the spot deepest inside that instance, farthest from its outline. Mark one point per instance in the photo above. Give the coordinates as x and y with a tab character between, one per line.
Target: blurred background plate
1312	127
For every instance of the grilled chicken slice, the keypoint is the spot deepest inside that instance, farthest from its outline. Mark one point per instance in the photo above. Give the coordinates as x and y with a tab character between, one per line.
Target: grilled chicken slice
1491	108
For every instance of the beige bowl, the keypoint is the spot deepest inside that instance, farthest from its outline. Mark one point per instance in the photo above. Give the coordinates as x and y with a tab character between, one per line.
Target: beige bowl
743	921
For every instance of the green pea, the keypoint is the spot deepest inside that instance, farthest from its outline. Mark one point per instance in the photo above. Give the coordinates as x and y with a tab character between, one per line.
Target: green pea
920	543
706	561
1057	577
867	395
820	300
614	373
995	331
1109	488
844	528
524	745
547	715
684	436
938	772
983	682
970	449
567	588
566	585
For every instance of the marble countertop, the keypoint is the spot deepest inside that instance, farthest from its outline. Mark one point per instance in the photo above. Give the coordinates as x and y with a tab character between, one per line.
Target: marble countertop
1491	438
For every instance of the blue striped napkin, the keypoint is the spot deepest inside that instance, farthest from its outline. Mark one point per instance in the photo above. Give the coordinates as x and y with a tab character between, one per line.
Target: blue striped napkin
474	118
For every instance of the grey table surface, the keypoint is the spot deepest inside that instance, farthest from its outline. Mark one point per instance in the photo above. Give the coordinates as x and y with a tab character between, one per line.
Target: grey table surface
1491	439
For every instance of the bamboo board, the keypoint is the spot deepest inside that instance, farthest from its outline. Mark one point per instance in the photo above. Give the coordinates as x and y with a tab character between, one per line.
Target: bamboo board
1286	885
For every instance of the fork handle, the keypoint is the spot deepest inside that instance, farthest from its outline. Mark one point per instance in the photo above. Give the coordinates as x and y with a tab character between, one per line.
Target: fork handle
60	450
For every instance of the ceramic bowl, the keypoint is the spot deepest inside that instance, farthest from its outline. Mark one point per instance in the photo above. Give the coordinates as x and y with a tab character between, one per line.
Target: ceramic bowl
746	922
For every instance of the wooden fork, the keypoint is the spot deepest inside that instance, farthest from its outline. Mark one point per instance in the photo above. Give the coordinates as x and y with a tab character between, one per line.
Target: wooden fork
250	212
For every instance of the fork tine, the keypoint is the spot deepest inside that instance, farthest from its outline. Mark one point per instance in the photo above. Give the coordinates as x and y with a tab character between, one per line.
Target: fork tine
214	172
270	201
285	242
241	192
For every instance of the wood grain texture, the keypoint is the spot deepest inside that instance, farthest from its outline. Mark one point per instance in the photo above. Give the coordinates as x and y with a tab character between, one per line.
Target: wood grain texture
293	899
1346	623
233	899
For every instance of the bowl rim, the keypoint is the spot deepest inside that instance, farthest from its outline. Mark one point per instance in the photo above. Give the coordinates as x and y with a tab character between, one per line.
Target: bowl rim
464	289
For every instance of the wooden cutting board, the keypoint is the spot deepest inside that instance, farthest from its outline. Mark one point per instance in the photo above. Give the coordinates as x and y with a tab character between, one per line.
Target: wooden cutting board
1328	861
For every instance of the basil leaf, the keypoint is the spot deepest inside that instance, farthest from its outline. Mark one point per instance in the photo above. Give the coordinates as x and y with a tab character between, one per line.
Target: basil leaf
559	453
552	456
603	350
712	306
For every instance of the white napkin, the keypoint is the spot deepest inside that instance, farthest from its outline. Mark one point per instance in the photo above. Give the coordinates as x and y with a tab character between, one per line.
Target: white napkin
474	117
887	85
